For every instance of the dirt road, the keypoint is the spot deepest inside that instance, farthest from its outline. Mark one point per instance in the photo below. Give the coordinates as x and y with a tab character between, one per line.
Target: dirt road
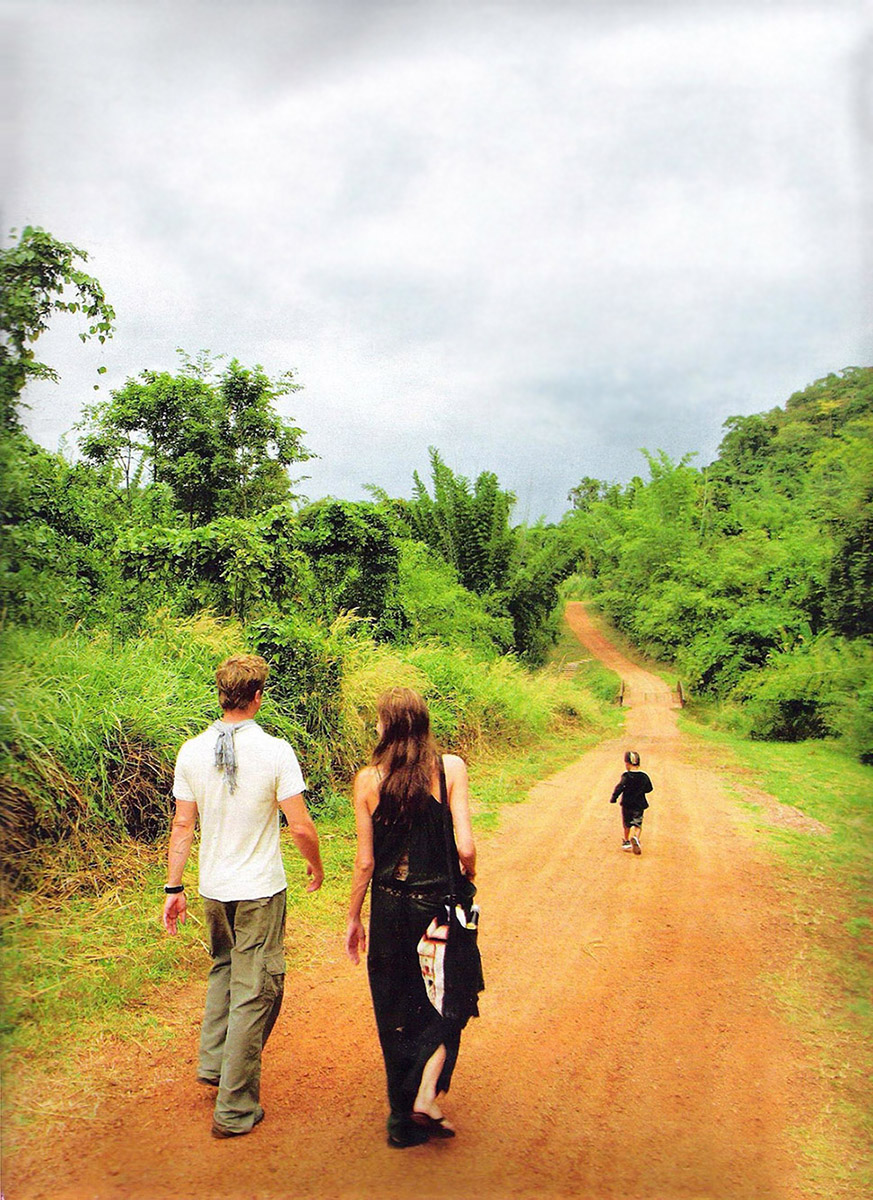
628	1047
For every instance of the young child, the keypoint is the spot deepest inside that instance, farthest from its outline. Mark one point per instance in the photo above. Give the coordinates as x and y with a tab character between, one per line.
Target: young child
632	787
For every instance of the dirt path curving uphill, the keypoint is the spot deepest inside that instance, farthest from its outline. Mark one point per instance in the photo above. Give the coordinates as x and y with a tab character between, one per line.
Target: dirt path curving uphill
627	1050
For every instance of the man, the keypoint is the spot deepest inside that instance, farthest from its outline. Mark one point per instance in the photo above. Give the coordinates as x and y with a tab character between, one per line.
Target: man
236	778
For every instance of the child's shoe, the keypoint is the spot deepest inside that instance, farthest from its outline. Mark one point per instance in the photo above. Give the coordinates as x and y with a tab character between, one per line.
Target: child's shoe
626	846
635	845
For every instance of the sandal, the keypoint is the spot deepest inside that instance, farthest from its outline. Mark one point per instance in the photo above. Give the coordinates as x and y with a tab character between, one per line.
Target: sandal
435	1126
411	1137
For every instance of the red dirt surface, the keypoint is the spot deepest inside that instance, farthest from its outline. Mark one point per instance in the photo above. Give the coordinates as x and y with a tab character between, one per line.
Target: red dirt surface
628	1047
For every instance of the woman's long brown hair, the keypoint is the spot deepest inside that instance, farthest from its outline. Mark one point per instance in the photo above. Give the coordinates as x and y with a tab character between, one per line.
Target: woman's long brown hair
405	753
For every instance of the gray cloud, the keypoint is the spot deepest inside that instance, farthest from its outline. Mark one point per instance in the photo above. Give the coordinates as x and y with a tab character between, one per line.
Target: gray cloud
538	236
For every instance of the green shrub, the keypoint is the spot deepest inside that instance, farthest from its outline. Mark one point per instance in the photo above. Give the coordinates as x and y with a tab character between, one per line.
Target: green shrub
58	525
353	551
821	688
435	605
305	689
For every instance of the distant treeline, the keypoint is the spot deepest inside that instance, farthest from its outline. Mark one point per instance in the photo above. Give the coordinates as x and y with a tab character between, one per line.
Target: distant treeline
753	574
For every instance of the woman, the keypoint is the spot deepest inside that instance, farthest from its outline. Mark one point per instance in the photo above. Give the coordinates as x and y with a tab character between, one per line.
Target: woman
408	848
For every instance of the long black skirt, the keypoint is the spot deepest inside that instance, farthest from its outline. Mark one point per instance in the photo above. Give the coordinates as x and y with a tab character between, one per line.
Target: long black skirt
410	1028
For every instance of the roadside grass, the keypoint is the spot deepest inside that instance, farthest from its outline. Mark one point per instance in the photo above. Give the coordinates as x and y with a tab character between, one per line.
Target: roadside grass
826	992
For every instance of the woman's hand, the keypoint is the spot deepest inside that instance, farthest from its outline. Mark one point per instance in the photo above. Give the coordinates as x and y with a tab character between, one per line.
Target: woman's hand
356	939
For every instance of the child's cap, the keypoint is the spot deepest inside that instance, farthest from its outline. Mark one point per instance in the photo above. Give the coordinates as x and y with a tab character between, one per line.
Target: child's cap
632	758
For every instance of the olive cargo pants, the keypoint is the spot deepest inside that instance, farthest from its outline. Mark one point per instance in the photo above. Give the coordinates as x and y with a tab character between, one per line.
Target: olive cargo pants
243	998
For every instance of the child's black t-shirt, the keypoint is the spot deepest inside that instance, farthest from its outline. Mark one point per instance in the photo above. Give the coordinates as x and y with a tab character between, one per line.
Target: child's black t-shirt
632	788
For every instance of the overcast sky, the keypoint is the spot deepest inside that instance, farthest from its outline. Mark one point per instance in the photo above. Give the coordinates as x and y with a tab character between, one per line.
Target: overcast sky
538	235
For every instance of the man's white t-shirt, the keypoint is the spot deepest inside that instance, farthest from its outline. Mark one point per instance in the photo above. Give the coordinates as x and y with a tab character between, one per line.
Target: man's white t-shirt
240	856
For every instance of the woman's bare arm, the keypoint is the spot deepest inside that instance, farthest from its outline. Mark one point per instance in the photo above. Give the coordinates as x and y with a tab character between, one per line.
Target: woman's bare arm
458	787
364	797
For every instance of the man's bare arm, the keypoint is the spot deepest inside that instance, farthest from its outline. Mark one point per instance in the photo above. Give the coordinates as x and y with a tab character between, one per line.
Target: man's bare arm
305	837
181	839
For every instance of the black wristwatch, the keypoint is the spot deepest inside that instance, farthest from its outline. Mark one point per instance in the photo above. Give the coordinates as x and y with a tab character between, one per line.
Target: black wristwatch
174	889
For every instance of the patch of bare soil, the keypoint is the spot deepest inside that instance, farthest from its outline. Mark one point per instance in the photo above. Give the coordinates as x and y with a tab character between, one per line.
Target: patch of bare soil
773	812
627	1048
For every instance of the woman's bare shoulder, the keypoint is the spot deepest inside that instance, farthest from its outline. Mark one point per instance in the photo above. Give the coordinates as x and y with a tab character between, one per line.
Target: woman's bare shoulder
454	765
367	780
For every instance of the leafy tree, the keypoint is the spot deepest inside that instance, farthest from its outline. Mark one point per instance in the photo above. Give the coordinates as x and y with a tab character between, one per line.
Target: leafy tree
850	583
745	446
216	442
39	276
258	445
354	554
237	566
468	526
163	427
545	556
517	571
433	604
586	492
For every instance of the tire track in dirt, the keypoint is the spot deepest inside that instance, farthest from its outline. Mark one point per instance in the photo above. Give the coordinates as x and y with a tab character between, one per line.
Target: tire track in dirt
627	1048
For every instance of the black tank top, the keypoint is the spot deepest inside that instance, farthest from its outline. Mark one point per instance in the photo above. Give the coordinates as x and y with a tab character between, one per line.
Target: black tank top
410	853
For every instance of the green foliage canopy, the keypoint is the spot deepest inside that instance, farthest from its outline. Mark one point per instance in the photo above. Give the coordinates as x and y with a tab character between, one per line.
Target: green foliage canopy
468	526
354	553
217	443
39	276
516	571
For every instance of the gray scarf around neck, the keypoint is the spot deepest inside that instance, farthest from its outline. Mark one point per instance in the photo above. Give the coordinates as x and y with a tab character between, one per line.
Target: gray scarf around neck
225	754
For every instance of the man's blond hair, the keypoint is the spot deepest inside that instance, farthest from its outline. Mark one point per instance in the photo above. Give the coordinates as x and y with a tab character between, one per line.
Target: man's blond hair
240	678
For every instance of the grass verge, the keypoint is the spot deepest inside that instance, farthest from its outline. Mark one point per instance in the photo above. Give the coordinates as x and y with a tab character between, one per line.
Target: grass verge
823	834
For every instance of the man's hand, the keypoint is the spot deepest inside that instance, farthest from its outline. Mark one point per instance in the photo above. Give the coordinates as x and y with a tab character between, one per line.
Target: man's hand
175	909
316	877
356	940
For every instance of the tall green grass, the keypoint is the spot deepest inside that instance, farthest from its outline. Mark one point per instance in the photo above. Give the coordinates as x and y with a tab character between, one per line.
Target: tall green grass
73	697
472	702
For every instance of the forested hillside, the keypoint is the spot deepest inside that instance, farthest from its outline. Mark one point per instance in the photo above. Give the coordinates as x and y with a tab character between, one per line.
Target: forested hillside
753	574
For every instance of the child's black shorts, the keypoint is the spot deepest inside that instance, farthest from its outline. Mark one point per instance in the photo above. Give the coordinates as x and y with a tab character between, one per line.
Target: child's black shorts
632	817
